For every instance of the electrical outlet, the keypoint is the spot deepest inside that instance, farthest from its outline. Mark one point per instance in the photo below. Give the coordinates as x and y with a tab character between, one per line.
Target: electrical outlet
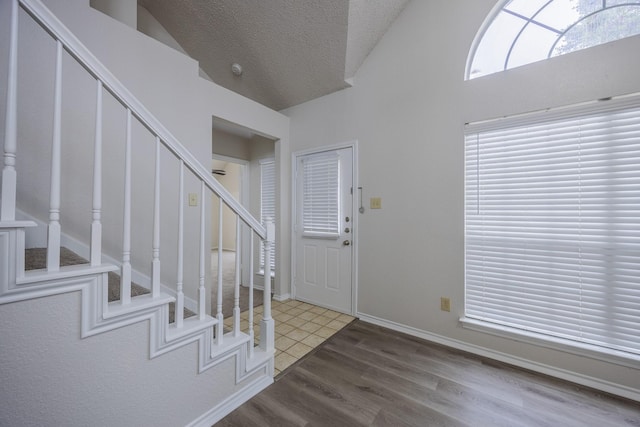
445	304
375	203
193	199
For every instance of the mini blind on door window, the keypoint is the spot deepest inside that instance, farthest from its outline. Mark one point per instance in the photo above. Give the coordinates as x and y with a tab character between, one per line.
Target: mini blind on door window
268	203
321	195
553	227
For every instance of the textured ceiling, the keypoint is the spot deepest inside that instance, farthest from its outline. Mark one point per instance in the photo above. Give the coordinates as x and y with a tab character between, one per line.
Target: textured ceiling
291	51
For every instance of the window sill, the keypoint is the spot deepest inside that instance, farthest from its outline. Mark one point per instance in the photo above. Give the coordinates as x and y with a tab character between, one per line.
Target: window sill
568	346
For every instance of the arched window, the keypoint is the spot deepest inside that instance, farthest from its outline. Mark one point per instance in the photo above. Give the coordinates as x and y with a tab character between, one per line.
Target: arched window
519	32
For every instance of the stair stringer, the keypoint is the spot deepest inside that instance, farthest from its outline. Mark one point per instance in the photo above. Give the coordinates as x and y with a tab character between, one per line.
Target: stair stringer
99	316
38	238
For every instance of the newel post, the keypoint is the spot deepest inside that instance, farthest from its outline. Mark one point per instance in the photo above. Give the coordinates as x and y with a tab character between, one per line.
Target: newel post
267	326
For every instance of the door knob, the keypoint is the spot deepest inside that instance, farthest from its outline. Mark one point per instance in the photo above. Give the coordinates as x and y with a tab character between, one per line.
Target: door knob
346	243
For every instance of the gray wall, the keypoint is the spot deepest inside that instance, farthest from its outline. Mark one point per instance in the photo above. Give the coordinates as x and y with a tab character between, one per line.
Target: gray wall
407	109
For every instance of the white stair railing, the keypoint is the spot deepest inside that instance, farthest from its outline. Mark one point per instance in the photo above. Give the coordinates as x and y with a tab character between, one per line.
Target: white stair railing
135	111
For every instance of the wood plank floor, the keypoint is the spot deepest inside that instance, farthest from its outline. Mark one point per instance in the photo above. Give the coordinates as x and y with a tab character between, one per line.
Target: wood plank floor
371	376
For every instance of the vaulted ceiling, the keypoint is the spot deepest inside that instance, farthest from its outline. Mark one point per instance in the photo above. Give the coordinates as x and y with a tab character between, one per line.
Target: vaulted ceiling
291	51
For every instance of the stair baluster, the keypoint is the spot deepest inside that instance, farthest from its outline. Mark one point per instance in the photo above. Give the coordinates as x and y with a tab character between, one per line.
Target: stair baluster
9	176
201	289
251	331
53	243
267	327
179	290
96	225
155	263
125	277
219	315
236	284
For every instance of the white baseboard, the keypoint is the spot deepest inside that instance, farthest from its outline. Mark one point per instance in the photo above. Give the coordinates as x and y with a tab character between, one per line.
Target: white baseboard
281	297
585	380
231	403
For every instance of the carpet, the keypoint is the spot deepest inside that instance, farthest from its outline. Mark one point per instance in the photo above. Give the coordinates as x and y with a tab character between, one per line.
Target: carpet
36	258
228	282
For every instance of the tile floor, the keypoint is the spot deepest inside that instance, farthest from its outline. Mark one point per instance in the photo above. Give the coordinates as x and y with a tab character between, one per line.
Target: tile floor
300	327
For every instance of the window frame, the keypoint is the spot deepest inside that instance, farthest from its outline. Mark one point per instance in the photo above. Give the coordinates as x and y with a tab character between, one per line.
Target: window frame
530	20
549	341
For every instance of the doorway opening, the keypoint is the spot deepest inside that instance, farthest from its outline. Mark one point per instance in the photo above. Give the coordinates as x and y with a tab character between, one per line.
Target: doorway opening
237	153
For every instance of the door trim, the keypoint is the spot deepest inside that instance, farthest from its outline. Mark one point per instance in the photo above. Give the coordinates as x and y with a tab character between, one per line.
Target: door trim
356	220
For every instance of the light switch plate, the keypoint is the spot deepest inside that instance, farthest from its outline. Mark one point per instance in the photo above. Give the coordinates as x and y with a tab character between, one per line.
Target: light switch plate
193	199
375	203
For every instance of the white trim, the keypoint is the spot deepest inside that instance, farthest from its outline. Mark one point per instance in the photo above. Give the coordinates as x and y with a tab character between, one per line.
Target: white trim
353	144
479	36
555	343
281	297
231	403
585	380
83	250
229	159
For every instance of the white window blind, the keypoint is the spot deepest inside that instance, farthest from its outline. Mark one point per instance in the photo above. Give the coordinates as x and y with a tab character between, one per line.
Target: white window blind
552	238
268	203
321	195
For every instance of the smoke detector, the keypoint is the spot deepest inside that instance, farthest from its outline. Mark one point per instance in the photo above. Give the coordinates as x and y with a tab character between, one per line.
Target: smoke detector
236	69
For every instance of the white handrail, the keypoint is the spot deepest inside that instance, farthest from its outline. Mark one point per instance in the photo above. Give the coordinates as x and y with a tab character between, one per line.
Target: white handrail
80	52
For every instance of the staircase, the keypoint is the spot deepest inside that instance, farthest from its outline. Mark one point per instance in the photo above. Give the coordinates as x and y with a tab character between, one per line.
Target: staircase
99	313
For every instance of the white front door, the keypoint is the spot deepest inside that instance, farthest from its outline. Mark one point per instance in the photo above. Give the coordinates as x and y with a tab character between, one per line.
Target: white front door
323	229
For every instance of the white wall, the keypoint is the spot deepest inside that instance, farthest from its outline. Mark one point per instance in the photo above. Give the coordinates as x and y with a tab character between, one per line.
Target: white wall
165	81
407	109
231	181
229	145
124	11
51	376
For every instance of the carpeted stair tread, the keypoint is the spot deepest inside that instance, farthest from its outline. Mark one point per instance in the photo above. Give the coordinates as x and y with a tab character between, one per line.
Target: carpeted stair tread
36	259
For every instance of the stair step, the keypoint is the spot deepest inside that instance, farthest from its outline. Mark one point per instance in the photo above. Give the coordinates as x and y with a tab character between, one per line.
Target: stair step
36	259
